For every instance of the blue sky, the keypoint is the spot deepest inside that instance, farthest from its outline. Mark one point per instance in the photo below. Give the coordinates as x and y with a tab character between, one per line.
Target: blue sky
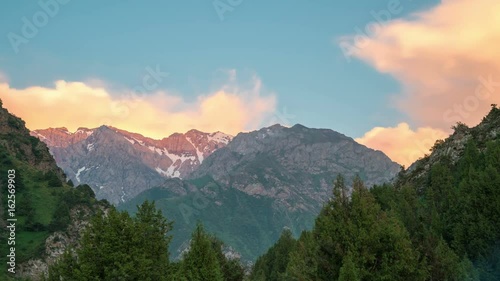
417	68
290	45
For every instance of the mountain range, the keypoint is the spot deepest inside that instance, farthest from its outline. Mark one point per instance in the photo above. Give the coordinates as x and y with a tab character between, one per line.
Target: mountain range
119	164
262	182
245	189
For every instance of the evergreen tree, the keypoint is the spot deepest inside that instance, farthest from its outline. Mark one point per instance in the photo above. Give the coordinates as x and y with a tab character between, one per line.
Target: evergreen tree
200	263
117	247
232	270
303	262
272	266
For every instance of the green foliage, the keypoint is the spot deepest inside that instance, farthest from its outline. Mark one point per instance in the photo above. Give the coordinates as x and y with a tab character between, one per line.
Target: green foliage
52	179
232	270
200	262
348	271
37	205
118	247
446	229
272	266
247	223
303	264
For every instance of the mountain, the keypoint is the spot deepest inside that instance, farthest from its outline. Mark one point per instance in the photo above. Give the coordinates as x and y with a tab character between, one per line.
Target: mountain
48	214
293	165
264	181
439	220
119	164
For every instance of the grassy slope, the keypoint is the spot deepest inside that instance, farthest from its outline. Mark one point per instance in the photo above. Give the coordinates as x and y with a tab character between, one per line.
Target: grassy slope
43	198
40	190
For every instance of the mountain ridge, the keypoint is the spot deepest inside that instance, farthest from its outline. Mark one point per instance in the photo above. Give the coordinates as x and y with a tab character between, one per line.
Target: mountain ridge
263	181
139	162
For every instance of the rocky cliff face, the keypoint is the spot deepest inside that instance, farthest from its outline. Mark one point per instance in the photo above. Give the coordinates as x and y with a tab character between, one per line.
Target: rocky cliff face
119	164
453	147
296	165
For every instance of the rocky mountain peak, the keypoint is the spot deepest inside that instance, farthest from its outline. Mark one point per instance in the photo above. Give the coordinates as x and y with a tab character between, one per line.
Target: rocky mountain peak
294	165
61	137
97	156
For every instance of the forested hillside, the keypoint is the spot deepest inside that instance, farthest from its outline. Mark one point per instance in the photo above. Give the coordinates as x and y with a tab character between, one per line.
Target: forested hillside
120	247
47	212
440	220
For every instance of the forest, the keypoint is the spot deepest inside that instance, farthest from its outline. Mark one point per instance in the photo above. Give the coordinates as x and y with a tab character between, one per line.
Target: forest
446	229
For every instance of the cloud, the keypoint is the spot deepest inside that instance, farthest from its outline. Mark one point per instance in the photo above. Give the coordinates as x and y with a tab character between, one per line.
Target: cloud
402	144
230	109
446	60
4	78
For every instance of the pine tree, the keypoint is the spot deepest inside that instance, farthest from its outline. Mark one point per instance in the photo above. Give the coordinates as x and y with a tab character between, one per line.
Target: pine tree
117	247
272	265
154	238
232	270
331	231
200	262
303	262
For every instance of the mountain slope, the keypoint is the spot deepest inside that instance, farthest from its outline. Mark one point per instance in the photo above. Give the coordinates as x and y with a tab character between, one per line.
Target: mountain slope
119	164
49	214
262	182
453	147
440	220
294	164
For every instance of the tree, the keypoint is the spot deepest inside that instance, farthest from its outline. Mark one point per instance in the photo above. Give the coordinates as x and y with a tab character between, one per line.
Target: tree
117	247
52	179
358	239
303	264
232	270
154	240
200	263
273	264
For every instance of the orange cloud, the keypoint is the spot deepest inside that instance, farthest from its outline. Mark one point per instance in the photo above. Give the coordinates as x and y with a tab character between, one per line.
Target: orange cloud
446	60
401	143
231	109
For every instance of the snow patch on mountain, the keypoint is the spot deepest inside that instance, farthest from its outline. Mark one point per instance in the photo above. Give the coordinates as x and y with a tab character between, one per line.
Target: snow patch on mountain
170	172
198	152
78	173
129	140
175	157
219	137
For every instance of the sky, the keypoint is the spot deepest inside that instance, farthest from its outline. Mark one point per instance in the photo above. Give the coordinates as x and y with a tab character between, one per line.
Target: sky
393	74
